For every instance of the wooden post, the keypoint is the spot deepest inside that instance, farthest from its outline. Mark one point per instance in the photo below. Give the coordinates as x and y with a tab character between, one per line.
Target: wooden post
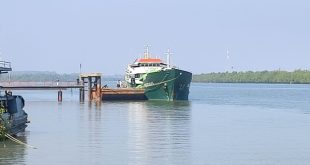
90	83
59	96
82	94
82	91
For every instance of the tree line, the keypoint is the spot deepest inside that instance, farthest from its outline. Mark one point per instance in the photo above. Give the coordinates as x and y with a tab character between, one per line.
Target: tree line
42	76
285	77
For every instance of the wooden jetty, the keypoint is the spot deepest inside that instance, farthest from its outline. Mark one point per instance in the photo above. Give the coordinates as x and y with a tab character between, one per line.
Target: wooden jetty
46	85
88	82
60	86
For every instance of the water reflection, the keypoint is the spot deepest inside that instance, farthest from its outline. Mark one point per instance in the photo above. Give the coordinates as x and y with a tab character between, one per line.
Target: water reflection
12	153
135	133
91	137
221	125
159	133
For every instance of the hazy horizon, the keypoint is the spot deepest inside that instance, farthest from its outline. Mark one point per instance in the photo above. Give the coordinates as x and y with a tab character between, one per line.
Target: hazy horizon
106	36
122	74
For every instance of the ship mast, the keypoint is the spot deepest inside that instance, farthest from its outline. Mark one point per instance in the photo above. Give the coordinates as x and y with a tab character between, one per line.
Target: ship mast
146	53
168	53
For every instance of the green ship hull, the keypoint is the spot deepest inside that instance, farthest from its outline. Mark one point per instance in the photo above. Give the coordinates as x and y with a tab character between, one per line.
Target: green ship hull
170	84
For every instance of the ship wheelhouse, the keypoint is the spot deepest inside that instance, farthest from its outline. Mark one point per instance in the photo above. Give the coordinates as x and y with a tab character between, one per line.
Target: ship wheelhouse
142	66
136	72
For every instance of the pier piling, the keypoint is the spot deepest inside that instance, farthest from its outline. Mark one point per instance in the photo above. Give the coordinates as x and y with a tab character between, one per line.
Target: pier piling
82	94
59	96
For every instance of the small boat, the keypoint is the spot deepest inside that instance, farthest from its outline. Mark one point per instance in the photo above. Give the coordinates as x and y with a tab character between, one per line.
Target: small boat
13	119
159	80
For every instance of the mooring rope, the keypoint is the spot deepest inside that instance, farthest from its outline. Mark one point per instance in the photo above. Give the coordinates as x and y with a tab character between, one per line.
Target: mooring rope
162	82
18	141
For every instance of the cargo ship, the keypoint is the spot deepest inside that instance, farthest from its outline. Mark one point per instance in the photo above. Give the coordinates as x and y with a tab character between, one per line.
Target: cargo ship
159	80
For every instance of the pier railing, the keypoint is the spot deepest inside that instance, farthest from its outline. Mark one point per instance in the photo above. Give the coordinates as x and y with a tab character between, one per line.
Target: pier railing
5	67
44	84
4	64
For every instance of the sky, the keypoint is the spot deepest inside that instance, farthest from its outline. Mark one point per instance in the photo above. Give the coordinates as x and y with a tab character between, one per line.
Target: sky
107	35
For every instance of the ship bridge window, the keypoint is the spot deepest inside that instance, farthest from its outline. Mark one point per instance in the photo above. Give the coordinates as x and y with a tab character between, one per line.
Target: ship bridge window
137	75
134	65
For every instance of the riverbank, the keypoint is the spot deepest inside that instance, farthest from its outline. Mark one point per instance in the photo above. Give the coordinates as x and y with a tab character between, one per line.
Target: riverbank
274	77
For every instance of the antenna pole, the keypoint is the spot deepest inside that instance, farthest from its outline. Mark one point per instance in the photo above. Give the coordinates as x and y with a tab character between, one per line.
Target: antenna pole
230	66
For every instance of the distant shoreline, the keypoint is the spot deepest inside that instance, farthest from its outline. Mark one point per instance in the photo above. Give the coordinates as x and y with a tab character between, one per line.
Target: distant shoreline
41	76
259	77
250	77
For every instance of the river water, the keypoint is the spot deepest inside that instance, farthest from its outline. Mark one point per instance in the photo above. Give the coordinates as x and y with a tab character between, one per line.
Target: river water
235	124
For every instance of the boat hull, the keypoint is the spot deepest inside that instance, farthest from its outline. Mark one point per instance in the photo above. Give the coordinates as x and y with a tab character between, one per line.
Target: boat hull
169	84
12	116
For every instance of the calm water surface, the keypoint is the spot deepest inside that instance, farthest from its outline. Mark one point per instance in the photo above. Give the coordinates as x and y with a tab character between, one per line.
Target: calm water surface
235	124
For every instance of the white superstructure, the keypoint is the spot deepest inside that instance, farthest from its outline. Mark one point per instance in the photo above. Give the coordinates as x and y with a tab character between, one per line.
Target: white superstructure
136	71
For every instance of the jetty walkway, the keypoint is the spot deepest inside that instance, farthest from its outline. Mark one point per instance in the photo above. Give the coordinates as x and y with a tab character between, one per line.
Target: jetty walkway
89	84
47	85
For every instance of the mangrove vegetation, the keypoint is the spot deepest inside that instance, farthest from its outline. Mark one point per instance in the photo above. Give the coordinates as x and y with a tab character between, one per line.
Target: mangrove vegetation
283	77
278	76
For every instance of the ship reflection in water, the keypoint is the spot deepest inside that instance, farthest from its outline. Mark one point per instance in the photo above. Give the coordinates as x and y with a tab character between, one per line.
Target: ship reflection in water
159	133
142	132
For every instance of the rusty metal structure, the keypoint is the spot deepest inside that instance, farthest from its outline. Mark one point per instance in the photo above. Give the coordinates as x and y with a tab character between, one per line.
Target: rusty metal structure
93	81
